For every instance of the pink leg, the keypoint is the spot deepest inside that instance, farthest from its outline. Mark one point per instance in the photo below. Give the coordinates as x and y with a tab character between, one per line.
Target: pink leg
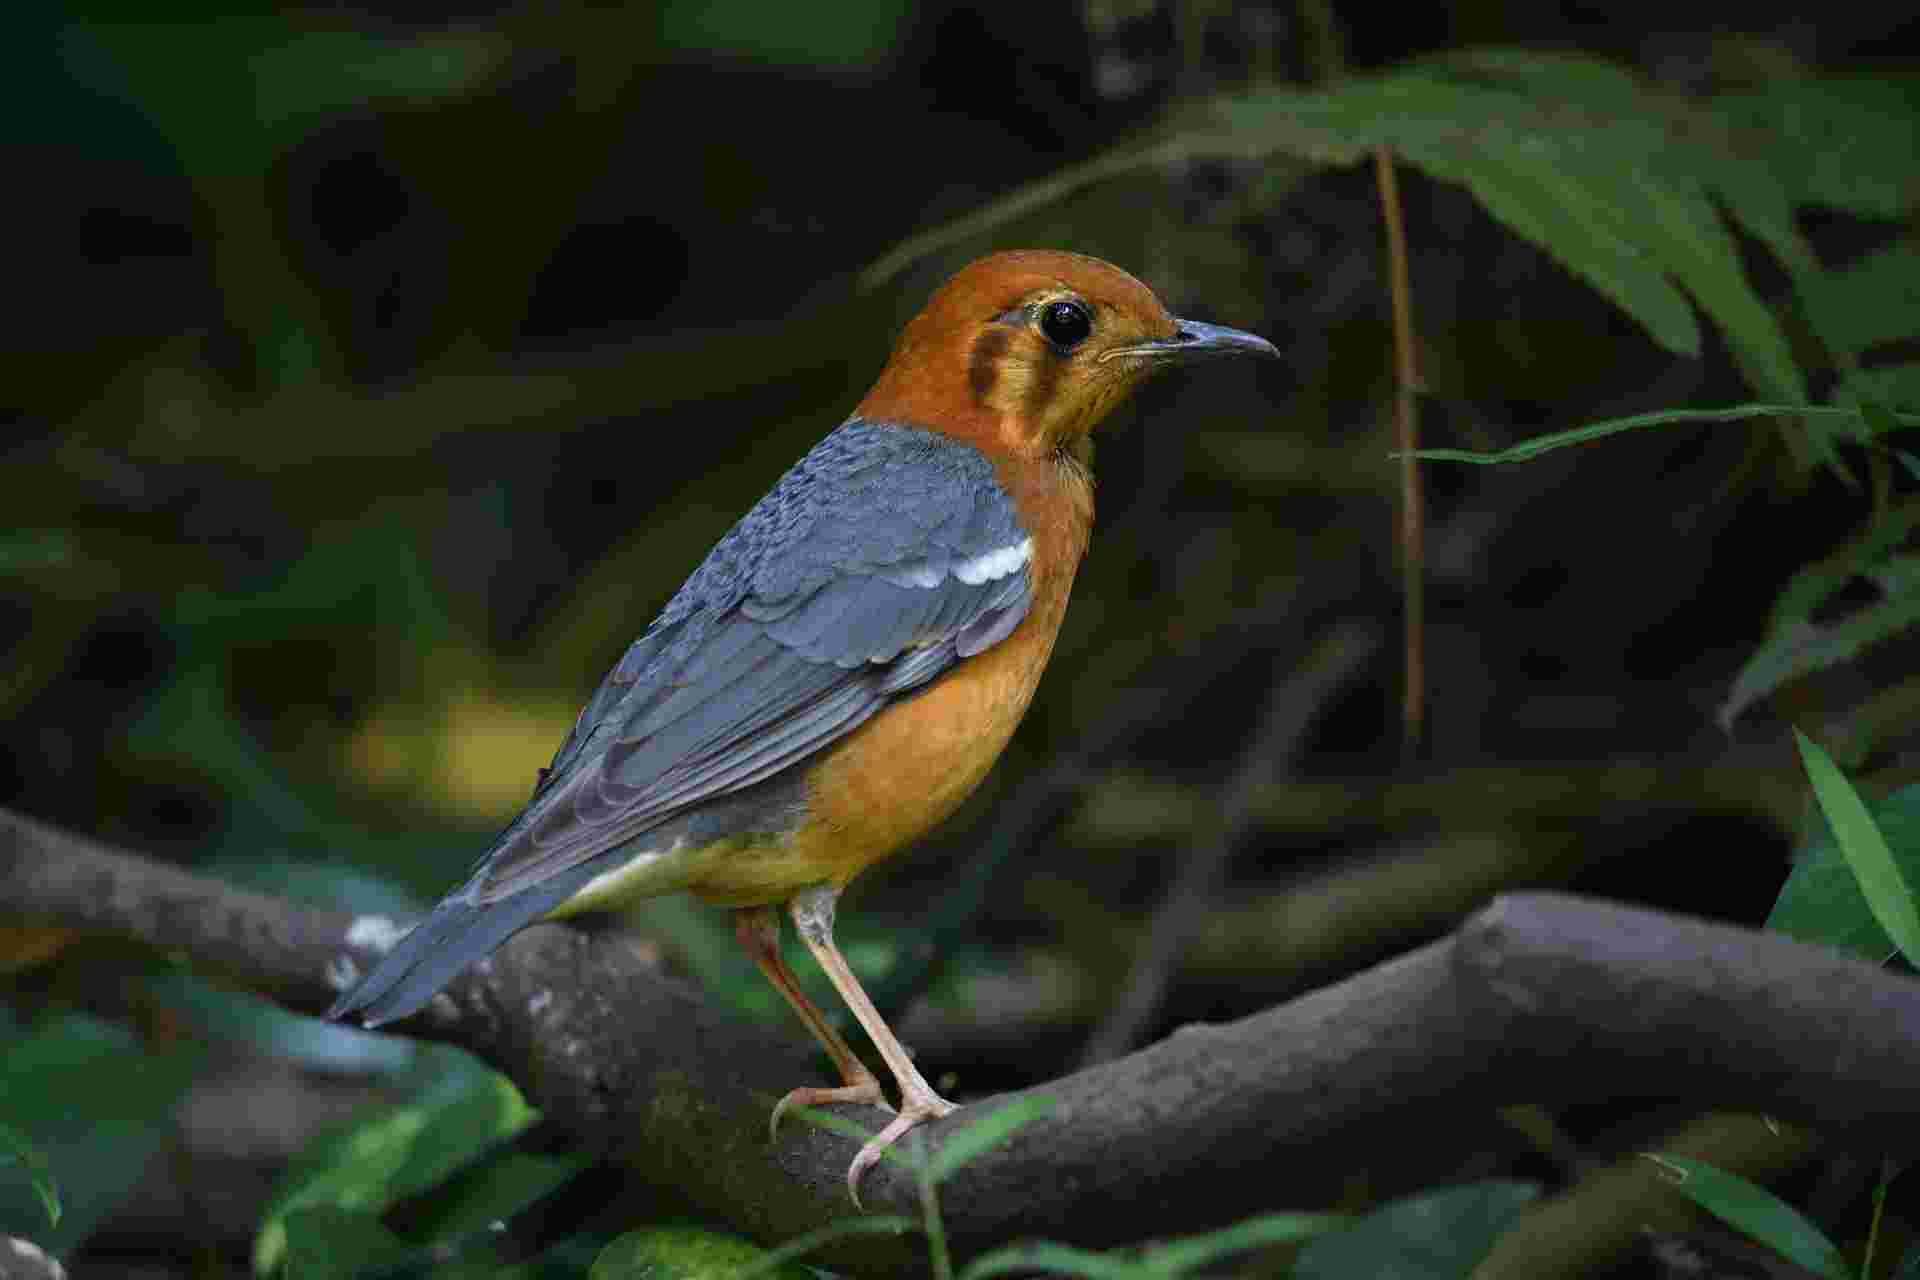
758	929
813	916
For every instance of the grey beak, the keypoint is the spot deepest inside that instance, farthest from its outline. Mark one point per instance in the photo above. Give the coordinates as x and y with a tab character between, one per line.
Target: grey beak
1194	340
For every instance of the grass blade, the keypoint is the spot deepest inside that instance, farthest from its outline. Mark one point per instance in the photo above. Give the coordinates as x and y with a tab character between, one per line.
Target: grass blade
1527	450
876	1225
1177	1257
987	1132
1057	1259
16	1149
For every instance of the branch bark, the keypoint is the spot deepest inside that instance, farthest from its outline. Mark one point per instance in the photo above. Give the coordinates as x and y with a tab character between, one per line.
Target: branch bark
1539	997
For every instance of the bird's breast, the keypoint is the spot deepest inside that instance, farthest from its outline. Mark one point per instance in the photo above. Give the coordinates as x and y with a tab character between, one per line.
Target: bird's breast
901	773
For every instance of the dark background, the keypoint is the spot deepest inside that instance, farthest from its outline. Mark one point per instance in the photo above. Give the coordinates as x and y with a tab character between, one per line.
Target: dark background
362	403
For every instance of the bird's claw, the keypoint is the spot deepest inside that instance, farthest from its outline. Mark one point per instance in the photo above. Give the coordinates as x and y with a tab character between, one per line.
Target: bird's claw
913	1111
867	1091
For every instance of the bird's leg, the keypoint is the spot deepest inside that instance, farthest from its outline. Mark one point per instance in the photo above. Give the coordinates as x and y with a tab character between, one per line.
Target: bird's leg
758	929
813	915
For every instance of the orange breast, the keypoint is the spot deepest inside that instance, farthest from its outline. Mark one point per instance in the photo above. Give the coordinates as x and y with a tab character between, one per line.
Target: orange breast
896	777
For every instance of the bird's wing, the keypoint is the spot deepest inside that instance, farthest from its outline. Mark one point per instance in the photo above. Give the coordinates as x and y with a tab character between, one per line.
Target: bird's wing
884	557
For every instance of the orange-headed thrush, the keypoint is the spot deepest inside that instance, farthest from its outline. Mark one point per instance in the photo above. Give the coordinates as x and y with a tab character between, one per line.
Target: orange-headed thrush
847	663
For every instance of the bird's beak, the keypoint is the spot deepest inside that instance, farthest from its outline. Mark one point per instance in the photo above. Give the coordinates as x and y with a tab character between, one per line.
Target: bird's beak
1193	340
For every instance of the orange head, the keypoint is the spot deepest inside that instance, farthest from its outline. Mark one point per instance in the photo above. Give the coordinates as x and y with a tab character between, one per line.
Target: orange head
1026	351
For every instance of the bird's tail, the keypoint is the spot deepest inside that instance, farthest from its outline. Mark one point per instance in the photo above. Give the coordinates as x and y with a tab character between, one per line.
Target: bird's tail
459	931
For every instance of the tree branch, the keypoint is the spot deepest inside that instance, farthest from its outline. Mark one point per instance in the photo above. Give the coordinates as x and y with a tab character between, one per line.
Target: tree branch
1539	997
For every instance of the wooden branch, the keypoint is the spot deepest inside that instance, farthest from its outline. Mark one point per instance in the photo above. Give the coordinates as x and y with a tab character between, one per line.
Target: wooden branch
1539	997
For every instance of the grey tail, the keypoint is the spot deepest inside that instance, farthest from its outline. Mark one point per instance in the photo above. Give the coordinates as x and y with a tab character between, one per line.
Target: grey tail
459	931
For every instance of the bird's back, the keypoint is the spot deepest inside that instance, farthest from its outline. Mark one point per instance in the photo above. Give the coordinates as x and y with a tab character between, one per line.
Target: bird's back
738	748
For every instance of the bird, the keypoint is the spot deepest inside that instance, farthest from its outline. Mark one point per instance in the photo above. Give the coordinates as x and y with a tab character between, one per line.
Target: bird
846	664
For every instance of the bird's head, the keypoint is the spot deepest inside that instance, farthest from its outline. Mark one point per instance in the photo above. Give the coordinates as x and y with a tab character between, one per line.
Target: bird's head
1026	351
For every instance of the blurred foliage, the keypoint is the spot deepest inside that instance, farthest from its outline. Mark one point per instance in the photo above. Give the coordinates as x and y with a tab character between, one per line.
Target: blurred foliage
95	1107
1438	1235
687	1253
401	1151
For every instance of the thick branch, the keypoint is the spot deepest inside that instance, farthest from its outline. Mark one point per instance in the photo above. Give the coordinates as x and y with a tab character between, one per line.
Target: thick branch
1540	997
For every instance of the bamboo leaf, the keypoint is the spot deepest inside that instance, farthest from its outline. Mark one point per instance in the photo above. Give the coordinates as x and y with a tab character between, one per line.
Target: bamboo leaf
1889	895
1822	901
1756	1211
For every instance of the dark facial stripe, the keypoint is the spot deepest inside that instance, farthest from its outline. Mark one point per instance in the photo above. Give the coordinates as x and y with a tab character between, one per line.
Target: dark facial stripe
1046	381
983	366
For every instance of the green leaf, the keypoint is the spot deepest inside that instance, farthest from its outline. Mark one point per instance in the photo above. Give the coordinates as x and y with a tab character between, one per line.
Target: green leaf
1846	141
394	1152
1888	892
478	1199
1439	1235
1890	384
1559	76
1756	1211
985	1133
1697	248
1578	233
326	1242
1822	900
15	1149
97	1107
1873	300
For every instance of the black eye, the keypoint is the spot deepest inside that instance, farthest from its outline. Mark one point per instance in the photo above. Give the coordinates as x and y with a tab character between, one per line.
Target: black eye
1065	324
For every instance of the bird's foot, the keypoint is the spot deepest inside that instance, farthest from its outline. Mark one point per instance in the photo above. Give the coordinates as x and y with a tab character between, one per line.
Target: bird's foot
916	1107
867	1091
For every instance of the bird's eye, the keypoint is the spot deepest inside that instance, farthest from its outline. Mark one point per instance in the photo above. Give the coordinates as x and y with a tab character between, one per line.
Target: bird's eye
1065	324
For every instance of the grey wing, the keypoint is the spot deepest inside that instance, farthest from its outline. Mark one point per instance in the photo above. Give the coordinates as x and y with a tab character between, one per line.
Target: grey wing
885	557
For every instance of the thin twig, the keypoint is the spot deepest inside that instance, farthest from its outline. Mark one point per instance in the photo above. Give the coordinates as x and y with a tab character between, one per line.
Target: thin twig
1413	712
1290	713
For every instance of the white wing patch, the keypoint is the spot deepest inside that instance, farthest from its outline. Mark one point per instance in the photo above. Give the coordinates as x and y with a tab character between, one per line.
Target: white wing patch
997	563
376	933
